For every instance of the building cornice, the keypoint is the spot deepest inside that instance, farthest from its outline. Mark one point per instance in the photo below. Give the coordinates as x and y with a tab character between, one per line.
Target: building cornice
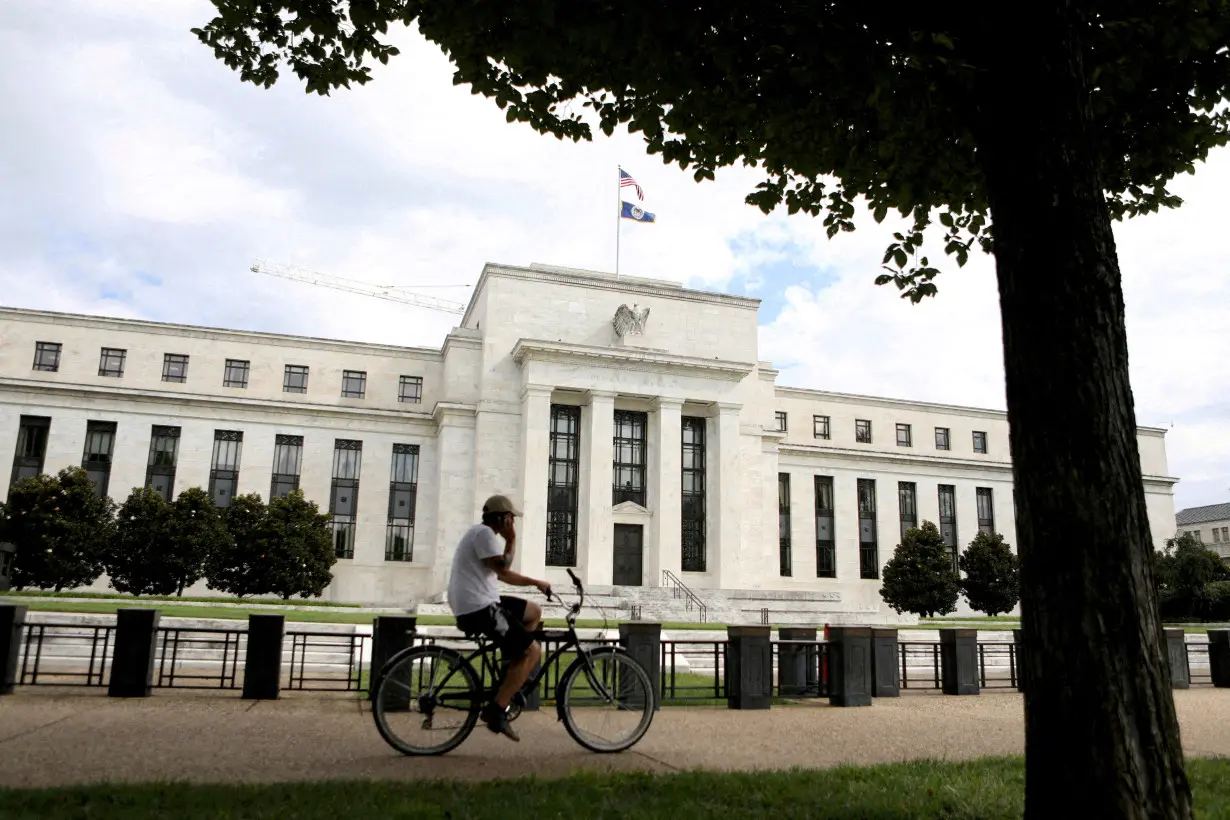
595	280
210	333
527	350
128	394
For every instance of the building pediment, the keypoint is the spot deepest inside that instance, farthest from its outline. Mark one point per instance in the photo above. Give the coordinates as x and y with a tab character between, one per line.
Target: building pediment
624	358
629	508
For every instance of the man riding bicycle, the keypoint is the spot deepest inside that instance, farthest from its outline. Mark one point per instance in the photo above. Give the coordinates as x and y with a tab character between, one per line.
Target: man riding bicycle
479	564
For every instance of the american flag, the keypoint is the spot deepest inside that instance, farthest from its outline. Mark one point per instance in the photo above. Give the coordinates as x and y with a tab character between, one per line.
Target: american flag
626	181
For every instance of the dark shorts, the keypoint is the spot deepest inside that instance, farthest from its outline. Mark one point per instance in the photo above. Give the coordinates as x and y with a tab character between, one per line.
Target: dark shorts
503	624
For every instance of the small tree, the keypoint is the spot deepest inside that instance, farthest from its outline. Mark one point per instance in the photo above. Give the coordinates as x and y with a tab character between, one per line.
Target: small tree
140	558
198	532
60	527
919	578
298	547
992	582
1184	572
236	565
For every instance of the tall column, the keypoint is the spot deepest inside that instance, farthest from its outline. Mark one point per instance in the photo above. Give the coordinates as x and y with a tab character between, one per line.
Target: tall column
725	497
596	533
531	557
665	474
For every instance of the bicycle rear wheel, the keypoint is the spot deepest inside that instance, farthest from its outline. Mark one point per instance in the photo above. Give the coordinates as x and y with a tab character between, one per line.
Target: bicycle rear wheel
427	700
606	708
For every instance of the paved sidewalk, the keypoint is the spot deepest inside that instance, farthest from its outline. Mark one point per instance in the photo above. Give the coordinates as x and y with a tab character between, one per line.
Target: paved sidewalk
56	739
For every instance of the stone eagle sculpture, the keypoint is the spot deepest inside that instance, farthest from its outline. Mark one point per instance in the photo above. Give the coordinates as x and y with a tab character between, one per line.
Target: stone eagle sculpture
630	321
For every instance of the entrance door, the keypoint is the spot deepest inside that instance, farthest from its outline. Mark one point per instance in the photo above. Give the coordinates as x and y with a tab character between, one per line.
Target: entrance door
629	552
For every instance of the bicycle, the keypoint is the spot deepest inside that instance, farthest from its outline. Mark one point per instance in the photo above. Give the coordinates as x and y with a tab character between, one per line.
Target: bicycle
596	677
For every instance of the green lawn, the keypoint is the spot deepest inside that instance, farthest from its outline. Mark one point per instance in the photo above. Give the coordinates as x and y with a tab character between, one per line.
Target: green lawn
140	599
985	789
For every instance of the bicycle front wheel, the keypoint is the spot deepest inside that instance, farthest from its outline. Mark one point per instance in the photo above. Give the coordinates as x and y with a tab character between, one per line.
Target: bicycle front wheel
427	700
606	700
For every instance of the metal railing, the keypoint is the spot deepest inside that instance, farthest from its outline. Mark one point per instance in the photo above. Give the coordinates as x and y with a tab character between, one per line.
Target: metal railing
184	654
808	665
1197	654
316	662
686	673
926	656
691	599
75	645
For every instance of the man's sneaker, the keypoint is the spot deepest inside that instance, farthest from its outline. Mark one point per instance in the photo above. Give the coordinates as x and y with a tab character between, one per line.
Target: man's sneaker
497	721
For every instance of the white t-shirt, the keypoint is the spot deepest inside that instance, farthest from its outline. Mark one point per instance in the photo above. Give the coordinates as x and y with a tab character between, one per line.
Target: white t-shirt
472	585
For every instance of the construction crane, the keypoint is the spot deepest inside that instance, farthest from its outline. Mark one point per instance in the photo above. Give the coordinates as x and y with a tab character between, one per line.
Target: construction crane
393	293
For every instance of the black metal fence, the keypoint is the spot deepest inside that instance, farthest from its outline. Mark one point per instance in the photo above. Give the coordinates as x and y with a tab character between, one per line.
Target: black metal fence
688	671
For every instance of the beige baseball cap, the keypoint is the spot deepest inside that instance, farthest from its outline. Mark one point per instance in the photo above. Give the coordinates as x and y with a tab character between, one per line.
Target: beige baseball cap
499	504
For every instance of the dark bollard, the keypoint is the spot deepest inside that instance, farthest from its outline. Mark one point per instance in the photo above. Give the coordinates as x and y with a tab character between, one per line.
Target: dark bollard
1219	657
1018	658
643	640
12	619
262	664
132	665
749	667
885	663
390	635
959	661
1176	648
798	665
850	665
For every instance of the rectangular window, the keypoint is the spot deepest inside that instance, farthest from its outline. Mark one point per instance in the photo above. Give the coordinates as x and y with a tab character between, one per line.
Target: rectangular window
236	373
31	447
779	418
907	500
820	426
986	510
410	389
1216	535
354	384
692	509
948	519
295	378
905	438
224	469
563	478
1199	536
862	431
47	356
403	497
826	548
1225	535
629	465
941	438
980	442
344	496
111	362
783	524
287	465
174	368
868	539
99	449
163	455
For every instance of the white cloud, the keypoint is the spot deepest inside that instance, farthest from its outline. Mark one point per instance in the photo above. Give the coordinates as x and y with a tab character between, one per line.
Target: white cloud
142	178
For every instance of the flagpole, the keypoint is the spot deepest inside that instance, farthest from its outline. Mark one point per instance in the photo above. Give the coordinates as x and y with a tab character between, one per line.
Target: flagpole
619	206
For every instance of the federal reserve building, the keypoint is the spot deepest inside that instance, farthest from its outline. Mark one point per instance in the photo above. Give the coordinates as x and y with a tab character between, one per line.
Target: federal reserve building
632	420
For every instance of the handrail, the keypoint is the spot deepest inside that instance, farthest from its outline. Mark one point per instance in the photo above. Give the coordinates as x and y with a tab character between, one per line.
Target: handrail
669	579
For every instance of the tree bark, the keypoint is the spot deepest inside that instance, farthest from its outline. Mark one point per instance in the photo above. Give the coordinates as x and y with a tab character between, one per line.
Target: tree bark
1101	735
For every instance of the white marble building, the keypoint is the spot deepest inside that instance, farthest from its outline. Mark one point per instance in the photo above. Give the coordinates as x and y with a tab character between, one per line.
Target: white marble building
643	442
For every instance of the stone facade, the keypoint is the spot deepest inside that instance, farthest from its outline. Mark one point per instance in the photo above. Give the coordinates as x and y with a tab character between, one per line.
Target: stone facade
542	349
1210	525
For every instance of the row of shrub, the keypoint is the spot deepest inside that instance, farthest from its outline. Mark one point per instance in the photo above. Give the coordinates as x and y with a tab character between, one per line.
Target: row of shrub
1193	582
67	536
920	577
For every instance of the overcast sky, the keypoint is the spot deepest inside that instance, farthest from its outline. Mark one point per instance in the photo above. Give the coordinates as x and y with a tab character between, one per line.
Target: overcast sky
140	178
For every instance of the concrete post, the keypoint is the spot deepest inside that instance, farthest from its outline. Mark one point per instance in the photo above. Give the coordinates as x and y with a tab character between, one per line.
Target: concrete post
850	665
959	661
1176	648
132	666
798	666
643	640
1219	657
885	663
262	663
749	667
12	619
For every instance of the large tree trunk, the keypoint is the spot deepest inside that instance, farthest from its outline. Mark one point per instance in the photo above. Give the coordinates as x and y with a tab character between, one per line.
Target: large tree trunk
1101	736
